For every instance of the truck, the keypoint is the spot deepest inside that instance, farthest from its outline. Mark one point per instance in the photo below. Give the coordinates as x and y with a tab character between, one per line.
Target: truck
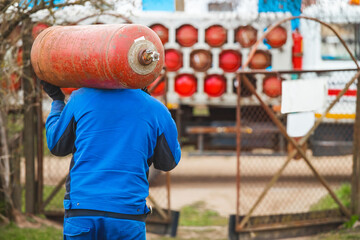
203	53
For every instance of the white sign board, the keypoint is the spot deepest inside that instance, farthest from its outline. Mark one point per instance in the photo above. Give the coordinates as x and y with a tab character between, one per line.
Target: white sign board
298	124
303	95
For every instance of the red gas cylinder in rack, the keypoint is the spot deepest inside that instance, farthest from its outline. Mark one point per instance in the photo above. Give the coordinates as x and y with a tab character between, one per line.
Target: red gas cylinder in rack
215	85
187	35
173	59
157	87
98	56
260	60
159	90
230	60
162	32
215	36
277	37
185	85
200	60
272	86
246	36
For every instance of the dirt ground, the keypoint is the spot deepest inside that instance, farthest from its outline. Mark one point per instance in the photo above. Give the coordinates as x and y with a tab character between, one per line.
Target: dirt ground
212	180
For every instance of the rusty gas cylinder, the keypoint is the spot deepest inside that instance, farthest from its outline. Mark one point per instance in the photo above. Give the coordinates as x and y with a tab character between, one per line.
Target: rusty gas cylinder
277	37
98	56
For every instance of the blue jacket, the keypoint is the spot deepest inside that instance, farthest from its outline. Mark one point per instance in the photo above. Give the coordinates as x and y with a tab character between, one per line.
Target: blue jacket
114	136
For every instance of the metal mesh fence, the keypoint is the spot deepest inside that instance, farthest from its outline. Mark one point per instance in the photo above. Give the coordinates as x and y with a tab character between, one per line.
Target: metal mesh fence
329	149
55	170
158	191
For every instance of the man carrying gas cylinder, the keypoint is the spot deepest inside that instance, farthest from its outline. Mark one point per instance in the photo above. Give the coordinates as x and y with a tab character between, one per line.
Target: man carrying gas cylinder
113	133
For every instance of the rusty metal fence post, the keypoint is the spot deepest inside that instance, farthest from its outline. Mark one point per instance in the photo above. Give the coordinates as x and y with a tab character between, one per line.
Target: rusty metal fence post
238	146
355	183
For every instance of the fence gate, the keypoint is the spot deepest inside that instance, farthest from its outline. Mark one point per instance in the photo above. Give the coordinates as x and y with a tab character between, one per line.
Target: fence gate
295	191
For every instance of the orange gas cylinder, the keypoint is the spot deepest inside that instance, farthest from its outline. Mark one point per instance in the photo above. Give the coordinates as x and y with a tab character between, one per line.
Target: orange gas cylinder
98	56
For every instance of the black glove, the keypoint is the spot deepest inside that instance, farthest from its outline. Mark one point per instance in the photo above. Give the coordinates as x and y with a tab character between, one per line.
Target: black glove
53	91
145	90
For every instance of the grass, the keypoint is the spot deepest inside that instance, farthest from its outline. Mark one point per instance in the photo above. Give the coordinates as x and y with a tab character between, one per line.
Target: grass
196	222
327	202
13	232
192	215
197	215
347	234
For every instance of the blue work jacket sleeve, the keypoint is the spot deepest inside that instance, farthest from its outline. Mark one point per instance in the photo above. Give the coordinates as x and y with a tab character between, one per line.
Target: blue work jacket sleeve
60	128
167	151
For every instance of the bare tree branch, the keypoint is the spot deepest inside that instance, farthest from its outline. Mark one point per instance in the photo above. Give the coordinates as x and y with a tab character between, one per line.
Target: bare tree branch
21	16
6	4
5	159
5	162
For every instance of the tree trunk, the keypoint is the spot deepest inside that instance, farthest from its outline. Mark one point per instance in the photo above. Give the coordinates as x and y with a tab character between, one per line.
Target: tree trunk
5	166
